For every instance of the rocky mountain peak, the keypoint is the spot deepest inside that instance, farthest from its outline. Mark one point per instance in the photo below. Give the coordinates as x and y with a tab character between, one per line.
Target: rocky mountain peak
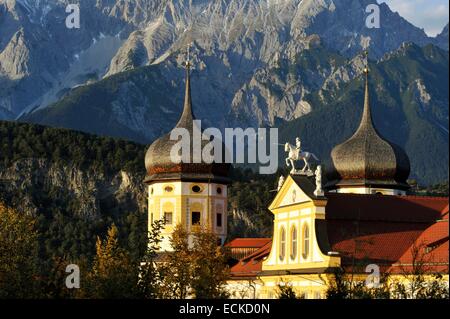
233	39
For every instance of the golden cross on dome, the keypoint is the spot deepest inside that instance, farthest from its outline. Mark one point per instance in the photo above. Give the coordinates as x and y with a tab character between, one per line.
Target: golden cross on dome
188	57
366	55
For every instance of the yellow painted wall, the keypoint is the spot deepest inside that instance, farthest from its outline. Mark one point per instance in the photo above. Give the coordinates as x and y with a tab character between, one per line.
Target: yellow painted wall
308	286
293	208
366	190
180	197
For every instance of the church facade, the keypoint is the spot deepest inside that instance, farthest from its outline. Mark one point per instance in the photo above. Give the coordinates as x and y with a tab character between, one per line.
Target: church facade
361	219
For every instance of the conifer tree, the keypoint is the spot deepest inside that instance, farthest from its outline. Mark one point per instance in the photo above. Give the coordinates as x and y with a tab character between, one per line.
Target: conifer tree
150	275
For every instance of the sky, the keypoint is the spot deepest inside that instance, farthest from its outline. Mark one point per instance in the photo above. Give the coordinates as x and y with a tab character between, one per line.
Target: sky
431	15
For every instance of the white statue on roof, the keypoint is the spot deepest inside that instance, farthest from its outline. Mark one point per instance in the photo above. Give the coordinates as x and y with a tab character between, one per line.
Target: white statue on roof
319	190
280	182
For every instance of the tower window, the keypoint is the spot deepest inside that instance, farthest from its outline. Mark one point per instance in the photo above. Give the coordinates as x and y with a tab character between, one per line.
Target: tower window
168	218
219	219
168	189
196	218
219	190
196	189
282	251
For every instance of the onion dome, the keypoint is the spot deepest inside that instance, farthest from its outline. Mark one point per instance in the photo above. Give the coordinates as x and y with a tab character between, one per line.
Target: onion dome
159	164
367	159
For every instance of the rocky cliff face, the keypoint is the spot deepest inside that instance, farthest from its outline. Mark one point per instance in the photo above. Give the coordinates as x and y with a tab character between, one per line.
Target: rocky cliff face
40	59
39	55
144	103
442	38
30	185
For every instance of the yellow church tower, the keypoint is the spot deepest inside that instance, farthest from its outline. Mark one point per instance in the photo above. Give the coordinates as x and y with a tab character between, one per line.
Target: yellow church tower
192	194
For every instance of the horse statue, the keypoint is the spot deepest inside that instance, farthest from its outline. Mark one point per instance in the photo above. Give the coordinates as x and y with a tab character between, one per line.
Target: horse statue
295	154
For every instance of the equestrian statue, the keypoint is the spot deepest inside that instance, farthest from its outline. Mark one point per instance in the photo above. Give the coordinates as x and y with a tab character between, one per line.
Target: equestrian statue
295	153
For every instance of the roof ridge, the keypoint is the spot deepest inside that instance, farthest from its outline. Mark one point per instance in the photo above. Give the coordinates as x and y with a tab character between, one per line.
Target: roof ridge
424	197
390	196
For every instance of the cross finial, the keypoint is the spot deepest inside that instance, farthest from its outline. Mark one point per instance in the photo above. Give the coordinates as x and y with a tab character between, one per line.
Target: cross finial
366	56
188	57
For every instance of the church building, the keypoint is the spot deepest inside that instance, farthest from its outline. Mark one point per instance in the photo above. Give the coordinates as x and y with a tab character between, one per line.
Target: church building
360	219
189	194
360	222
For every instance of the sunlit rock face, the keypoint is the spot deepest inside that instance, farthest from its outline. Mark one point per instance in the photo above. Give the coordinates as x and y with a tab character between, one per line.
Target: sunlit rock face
41	59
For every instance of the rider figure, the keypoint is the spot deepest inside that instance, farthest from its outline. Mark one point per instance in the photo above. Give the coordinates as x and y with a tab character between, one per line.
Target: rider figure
298	144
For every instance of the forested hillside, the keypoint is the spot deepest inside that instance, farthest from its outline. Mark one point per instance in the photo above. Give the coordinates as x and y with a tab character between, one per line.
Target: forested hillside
77	185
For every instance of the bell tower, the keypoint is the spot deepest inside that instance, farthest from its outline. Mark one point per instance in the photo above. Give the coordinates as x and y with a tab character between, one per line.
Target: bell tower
190	193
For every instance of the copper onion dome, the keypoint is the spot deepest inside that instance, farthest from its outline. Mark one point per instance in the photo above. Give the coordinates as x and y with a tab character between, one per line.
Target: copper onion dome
366	159
159	164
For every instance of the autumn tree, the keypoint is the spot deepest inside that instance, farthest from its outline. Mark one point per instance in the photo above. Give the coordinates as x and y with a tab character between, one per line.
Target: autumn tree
18	255
113	275
177	266
196	267
210	270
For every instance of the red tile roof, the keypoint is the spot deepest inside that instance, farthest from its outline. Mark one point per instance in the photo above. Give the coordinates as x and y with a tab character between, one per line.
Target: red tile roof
384	229
385	208
251	265
248	242
374	229
430	249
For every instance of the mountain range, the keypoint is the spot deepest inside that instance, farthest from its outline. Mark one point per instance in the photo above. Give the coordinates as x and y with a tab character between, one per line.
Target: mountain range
284	63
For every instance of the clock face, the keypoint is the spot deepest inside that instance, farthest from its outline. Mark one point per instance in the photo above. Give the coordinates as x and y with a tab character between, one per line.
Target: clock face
294	195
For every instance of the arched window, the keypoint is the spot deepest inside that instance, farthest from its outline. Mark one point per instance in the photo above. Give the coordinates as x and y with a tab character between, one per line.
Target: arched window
282	249
305	248
293	242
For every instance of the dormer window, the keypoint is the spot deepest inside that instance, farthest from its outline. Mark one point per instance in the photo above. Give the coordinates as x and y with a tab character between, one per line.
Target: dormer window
293	242
282	245
305	245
